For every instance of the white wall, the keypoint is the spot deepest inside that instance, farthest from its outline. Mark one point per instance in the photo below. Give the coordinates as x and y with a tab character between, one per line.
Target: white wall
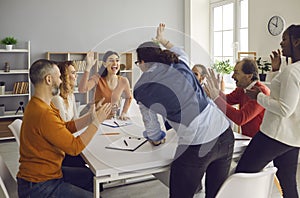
76	25
259	14
197	28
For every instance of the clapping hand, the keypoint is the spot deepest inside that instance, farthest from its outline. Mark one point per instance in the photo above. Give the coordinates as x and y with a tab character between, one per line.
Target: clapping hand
102	111
275	60
212	85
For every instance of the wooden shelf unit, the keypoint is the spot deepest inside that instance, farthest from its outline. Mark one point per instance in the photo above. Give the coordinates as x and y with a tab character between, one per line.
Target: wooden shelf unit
19	62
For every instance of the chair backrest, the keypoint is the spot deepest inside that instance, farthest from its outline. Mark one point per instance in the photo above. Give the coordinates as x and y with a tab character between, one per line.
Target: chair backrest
249	185
15	128
7	182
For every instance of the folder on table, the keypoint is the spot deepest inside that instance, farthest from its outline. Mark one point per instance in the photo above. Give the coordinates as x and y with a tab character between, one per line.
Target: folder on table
127	143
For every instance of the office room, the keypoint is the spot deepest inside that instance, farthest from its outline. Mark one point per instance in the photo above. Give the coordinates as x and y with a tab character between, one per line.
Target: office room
67	30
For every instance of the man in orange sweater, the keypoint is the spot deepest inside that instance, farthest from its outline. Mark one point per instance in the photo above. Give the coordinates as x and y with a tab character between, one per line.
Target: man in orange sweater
250	114
45	138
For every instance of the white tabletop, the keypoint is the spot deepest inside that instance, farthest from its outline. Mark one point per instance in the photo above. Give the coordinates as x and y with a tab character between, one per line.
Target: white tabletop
109	162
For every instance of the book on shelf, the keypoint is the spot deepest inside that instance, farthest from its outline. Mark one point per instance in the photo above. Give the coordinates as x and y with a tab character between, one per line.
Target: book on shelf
21	87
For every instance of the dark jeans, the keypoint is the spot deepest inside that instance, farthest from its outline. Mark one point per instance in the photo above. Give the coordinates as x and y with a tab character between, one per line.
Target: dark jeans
73	161
191	162
76	161
76	182
262	150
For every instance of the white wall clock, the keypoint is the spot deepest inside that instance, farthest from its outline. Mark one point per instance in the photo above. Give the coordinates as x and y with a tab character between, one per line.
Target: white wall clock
275	25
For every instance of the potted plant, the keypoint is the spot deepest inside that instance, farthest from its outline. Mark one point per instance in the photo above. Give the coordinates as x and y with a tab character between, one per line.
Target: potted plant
223	67
9	42
264	66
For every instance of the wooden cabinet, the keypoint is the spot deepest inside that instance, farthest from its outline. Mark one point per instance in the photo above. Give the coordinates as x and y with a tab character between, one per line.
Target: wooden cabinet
16	91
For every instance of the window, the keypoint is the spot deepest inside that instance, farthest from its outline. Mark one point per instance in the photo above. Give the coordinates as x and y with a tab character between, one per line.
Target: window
229	32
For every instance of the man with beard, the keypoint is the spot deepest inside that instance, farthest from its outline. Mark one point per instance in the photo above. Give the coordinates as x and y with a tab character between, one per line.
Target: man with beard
45	138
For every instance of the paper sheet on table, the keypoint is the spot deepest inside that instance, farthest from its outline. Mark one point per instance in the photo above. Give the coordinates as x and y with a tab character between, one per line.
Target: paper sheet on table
116	123
127	143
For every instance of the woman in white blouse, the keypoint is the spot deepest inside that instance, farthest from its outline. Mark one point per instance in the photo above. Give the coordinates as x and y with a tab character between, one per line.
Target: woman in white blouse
279	135
65	101
66	104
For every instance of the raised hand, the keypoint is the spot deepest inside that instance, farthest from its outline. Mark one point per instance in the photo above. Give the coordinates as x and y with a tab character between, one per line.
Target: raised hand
159	32
215	79
90	61
210	87
276	60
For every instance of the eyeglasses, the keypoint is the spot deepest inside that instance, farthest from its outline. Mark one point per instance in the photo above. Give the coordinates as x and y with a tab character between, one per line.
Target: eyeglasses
137	63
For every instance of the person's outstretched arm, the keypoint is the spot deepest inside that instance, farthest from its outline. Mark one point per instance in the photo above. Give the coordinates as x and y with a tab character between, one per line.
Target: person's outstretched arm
85	83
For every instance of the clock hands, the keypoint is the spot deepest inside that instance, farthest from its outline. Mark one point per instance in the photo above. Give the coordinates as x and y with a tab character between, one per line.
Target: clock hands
275	24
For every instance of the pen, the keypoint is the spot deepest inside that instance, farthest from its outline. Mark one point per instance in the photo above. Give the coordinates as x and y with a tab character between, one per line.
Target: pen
125	142
116	123
112	133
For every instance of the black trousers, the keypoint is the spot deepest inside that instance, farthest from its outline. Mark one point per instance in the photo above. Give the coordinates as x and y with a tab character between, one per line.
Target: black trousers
191	162
262	150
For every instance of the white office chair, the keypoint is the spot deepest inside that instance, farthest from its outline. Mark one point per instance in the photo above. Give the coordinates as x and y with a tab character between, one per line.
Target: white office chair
249	185
15	128
7	182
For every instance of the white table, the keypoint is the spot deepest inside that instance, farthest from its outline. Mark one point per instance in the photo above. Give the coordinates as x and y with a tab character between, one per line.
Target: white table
112	165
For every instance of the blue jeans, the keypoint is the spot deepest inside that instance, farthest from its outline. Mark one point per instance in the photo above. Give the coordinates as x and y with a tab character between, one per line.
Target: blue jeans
76	182
191	162
262	150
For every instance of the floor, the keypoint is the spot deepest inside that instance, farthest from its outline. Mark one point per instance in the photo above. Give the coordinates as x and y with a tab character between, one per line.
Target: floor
147	189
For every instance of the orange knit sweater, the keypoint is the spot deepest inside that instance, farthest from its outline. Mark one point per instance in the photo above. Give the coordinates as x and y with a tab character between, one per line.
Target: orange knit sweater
44	140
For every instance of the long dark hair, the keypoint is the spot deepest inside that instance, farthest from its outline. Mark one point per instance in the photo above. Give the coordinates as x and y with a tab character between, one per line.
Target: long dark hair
151	52
294	33
103	70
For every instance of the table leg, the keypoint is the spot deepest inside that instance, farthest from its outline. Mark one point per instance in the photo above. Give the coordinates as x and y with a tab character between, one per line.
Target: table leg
96	188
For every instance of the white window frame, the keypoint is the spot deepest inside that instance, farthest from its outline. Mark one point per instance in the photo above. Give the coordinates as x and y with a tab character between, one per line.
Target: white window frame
236	26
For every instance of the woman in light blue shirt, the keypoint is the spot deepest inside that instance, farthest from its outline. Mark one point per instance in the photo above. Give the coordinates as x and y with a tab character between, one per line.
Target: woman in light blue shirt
205	140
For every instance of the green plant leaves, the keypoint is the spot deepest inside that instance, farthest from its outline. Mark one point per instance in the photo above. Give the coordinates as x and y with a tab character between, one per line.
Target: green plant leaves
223	67
9	41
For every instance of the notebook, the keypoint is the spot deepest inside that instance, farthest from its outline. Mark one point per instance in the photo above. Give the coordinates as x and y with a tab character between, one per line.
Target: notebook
127	143
116	123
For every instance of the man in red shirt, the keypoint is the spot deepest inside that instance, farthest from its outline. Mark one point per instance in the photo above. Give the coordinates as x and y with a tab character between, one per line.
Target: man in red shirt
249	115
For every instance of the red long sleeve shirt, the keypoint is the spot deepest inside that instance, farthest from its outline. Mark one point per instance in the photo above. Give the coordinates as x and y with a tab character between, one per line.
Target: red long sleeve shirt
249	115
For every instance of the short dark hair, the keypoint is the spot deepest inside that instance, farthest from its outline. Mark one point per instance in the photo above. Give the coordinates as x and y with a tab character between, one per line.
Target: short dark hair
203	69
39	69
249	66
